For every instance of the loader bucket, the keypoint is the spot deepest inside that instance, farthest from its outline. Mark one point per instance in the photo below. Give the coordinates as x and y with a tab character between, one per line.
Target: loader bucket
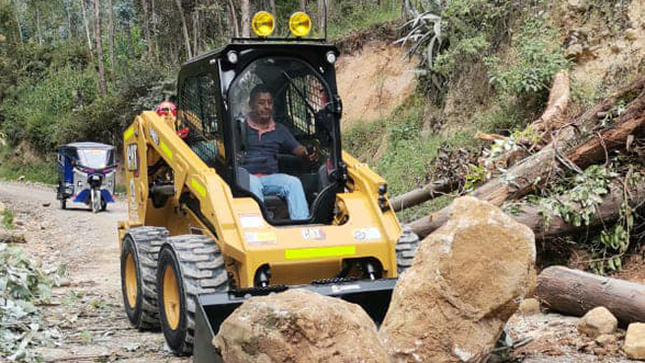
213	309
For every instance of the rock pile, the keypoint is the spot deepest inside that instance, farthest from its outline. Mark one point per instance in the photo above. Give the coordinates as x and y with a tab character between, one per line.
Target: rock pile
467	279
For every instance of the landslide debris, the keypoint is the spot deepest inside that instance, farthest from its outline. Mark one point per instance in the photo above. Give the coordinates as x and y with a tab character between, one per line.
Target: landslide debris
23	286
299	326
465	282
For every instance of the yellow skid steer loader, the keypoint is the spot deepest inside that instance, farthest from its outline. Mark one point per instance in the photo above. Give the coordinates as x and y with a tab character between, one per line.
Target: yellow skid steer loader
200	239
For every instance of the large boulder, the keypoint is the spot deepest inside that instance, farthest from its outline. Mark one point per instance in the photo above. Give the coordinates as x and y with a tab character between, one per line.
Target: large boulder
465	282
299	326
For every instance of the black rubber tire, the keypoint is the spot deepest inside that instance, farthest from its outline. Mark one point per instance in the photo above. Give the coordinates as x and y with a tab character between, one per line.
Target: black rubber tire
144	243
63	203
406	247
199	268
103	205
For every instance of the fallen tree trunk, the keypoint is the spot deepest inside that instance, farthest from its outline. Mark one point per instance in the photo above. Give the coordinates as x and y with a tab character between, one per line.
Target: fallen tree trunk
9	237
607	211
427	192
568	147
574	292
553	116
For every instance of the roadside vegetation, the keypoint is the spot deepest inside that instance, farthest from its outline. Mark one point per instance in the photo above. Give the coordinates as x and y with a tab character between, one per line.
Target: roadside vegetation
55	90
487	68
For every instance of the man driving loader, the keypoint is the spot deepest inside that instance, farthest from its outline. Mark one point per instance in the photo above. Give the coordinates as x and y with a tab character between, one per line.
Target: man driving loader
265	139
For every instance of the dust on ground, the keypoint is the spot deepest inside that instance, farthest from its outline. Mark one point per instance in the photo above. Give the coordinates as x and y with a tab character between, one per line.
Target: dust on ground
372	82
88	310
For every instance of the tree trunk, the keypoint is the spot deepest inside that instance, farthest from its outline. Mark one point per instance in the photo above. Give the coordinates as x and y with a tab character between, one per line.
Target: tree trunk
128	30
39	34
427	192
22	40
99	46
184	28
87	30
146	26
272	6
236	29
607	211
111	39
70	34
303	5
322	16
196	31
154	27
536	169
574	292
245	9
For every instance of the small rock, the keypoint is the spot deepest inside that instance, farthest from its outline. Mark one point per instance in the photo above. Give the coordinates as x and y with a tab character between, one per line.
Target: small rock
599	351
579	5
3	207
605	339
616	48
573	51
21	178
64	282
19	223
635	341
597	321
47	204
631	34
529	307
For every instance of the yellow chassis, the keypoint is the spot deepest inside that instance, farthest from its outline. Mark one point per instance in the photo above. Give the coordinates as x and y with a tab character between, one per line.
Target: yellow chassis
296	254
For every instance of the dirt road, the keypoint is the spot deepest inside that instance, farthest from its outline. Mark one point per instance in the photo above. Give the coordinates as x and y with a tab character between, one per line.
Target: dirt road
88	310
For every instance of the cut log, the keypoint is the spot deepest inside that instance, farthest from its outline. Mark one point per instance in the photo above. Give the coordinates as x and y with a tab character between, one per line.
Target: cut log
568	146
427	192
607	212
10	237
574	292
554	114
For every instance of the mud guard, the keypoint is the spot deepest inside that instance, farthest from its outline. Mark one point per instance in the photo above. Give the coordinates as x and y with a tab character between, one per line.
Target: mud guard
213	309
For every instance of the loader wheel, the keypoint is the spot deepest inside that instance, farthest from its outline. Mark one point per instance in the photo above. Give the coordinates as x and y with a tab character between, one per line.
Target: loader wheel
406	248
138	275
188	266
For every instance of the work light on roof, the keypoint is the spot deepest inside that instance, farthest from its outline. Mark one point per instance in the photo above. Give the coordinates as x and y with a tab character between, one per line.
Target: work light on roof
263	23
300	24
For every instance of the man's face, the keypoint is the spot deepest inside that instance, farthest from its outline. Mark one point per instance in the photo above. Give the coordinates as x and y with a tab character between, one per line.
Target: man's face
262	106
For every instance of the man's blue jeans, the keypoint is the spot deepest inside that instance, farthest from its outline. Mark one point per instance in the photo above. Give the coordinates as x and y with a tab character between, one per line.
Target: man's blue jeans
284	186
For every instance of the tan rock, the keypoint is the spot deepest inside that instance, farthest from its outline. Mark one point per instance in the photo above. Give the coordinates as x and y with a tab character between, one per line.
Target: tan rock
635	341
466	280
597	321
574	51
605	339
529	307
631	34
299	326
3	207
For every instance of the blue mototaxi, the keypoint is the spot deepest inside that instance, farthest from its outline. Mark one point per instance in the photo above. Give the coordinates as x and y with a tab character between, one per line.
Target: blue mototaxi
87	172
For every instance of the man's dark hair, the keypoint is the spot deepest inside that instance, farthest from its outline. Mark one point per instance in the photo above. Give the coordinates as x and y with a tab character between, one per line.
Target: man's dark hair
260	88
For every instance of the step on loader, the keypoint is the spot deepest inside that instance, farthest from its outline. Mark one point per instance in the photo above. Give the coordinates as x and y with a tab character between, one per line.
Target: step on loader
200	238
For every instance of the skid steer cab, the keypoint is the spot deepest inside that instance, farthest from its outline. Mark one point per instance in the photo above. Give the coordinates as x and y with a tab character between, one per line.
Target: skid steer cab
248	192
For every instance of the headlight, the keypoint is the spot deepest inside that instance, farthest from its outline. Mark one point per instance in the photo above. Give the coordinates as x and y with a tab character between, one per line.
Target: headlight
262	23
300	24
231	56
331	57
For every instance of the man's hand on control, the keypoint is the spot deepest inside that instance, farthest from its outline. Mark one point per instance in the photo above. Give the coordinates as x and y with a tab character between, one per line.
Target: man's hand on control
305	153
